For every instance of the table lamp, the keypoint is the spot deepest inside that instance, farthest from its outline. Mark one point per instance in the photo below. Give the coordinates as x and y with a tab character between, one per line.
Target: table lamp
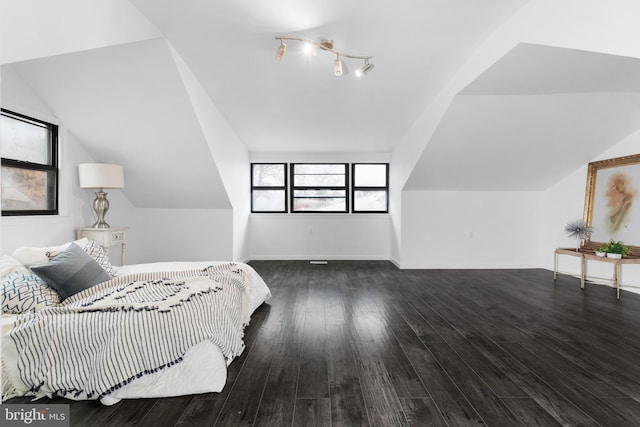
100	176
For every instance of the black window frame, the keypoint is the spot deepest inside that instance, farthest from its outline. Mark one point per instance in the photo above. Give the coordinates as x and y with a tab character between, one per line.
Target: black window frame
305	187
355	188
284	187
52	167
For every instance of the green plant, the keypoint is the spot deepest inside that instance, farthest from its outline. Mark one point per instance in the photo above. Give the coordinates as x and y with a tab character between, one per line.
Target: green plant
602	248
614	247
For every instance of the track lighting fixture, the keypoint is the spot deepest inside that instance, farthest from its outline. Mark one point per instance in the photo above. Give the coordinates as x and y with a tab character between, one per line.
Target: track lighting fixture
326	45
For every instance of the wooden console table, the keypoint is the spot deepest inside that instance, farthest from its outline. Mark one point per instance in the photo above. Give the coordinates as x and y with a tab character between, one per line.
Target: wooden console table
584	256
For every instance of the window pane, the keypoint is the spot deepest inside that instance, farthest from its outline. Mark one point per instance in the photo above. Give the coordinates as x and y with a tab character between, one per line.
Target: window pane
319	193
268	200
320	204
25	189
271	175
321	175
370	176
319	180
29	141
370	201
319	169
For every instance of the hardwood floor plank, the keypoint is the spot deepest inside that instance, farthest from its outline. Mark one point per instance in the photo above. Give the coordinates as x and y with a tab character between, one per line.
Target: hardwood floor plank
312	413
422	412
313	380
347	401
382	402
490	408
452	404
529	412
545	396
167	411
598	409
199	412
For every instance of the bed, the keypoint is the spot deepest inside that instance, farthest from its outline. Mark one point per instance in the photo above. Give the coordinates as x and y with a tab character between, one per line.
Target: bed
147	331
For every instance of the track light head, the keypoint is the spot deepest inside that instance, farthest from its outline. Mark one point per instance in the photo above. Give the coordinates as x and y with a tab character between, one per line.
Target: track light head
310	50
337	66
365	69
282	49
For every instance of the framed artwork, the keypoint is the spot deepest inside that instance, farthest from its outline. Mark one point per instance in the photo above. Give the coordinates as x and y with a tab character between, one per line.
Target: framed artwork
612	201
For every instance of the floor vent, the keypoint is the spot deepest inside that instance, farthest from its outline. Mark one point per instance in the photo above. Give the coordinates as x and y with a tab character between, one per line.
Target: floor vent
318	262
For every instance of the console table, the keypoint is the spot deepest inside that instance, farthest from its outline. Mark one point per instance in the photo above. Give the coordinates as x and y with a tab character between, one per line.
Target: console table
584	256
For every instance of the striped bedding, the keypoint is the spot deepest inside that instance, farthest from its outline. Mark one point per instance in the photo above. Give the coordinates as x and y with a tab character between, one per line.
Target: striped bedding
103	338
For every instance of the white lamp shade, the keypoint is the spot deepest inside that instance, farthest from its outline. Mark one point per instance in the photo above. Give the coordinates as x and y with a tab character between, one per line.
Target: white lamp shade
100	175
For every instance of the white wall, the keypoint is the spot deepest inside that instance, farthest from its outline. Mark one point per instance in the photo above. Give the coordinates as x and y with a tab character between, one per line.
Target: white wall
465	229
564	202
183	235
319	236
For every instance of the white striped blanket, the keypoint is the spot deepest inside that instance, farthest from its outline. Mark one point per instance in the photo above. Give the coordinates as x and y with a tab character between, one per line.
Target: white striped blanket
105	337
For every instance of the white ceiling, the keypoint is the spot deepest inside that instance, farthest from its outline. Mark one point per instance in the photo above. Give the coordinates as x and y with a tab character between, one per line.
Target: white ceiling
533	116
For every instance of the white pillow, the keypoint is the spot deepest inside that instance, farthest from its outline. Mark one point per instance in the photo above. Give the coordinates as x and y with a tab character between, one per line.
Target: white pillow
22	292
9	264
30	256
97	253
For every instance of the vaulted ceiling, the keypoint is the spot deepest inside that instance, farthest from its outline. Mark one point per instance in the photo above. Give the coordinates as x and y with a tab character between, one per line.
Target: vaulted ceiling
108	71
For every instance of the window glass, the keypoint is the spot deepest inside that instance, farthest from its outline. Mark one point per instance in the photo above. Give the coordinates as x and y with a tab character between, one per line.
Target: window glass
366	175
268	200
370	201
269	175
25	140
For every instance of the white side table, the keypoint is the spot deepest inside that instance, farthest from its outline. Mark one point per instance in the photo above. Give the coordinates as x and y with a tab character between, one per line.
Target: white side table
106	237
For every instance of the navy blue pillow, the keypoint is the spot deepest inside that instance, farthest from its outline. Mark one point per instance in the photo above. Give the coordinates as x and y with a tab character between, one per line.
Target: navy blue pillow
71	271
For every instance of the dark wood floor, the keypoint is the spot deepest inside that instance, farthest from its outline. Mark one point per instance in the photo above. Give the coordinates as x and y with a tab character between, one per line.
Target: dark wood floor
364	343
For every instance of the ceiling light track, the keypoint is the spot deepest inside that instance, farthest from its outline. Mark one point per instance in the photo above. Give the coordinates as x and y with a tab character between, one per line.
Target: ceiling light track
327	46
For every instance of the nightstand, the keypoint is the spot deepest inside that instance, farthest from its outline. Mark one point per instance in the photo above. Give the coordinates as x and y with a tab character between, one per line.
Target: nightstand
106	237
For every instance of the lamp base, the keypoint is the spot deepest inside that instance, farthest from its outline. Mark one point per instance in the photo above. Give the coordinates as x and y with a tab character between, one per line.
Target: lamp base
100	206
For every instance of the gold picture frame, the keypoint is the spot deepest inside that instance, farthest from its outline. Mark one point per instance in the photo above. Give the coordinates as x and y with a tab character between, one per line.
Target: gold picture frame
612	202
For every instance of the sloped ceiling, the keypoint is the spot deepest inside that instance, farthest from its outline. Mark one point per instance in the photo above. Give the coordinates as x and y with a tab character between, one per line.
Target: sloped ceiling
531	118
126	104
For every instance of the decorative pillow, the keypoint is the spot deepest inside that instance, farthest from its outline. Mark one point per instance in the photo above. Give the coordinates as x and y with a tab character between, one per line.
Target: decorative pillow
9	264
30	256
24	291
97	253
71	271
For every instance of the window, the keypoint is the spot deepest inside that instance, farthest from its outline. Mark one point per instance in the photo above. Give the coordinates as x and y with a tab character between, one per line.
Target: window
29	165
268	187
370	187
319	187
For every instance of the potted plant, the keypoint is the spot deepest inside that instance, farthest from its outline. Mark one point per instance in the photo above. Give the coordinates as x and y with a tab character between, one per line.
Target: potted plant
601	250
616	249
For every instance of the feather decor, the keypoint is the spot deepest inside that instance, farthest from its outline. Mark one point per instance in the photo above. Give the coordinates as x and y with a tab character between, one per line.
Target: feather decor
578	230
